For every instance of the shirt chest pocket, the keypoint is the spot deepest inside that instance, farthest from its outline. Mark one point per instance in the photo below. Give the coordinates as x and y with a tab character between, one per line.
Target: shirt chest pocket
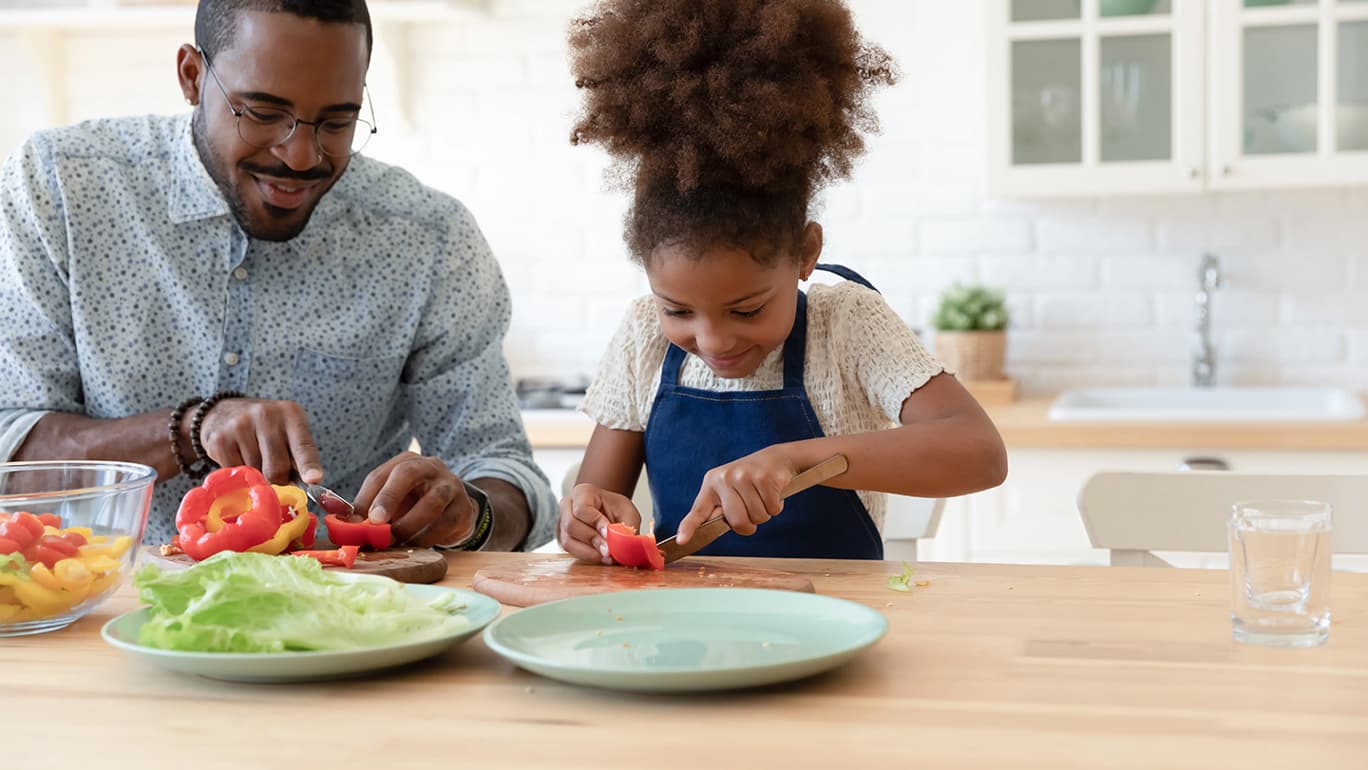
349	401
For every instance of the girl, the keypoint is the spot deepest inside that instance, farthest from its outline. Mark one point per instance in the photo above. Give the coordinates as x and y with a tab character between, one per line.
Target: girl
726	117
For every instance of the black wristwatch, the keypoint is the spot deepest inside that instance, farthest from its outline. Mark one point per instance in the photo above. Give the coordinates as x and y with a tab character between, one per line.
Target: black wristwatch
484	522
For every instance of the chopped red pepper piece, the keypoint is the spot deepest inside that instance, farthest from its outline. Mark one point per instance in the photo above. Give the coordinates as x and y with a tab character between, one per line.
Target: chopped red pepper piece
362	532
21	527
50	520
632	550
342	557
233	510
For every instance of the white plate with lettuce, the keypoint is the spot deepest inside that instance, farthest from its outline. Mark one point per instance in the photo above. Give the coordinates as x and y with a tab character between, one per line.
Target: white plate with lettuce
255	618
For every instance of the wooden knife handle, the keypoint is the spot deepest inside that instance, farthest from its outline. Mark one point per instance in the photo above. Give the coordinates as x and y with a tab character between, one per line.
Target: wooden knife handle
827	469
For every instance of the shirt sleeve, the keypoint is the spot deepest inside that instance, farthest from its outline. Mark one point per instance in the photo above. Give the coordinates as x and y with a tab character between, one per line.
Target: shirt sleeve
613	399
457	380
887	358
39	368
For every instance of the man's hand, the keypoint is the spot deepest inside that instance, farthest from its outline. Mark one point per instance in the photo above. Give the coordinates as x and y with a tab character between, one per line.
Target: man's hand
423	501
271	435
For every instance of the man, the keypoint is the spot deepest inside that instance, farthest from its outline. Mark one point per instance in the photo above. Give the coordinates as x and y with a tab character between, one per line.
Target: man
238	287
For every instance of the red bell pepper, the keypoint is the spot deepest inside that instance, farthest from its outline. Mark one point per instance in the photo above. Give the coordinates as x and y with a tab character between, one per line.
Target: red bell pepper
342	557
50	549
632	550
233	510
21	527
50	520
361	532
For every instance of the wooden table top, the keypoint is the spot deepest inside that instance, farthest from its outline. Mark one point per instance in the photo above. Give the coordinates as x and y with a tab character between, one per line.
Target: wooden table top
988	666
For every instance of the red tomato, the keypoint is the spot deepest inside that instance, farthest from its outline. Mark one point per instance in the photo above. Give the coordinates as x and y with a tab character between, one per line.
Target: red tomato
632	550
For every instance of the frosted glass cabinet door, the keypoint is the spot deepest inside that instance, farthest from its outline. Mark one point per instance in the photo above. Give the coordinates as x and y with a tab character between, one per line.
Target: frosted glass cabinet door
1045	10
1136	98
1351	112
1047	119
1280	89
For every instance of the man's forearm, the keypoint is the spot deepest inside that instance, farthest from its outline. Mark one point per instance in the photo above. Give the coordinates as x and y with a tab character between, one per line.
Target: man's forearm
140	439
512	516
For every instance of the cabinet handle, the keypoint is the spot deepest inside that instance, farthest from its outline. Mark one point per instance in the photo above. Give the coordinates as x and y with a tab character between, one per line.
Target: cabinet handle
1204	464
1194	173
1226	170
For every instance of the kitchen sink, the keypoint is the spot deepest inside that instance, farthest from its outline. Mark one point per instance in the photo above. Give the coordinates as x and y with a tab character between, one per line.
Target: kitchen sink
1223	404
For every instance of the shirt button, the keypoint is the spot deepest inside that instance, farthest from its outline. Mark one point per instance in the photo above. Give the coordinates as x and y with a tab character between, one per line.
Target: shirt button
240	273
231	359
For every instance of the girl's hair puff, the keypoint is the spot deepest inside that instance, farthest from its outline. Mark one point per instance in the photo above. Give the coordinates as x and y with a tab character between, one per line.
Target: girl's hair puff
724	117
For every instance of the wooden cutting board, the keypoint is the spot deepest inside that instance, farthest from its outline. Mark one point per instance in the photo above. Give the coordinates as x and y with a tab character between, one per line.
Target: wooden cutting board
546	581
416	565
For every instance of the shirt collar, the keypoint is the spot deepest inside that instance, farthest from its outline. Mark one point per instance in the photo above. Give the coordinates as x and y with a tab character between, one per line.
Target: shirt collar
194	194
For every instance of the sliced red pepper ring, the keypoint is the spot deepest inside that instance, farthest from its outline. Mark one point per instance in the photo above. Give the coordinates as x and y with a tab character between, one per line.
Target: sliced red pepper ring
632	550
344	556
217	515
360	533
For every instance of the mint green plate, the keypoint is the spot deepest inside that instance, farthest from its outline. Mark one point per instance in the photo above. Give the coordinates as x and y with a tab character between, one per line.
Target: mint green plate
686	639
122	632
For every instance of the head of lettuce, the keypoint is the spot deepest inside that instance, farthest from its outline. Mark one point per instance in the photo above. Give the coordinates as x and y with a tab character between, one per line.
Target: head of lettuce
252	602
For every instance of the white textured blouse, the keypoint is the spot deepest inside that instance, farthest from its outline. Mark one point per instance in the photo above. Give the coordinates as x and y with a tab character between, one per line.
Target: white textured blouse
862	363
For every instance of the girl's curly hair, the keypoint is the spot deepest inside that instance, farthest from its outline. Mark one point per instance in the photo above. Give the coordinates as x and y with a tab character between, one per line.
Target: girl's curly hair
724	117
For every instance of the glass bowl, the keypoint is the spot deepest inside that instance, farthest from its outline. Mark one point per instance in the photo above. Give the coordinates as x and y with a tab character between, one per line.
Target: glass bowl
100	510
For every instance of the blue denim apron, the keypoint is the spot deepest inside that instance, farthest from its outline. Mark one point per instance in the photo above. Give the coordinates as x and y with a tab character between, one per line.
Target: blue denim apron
692	431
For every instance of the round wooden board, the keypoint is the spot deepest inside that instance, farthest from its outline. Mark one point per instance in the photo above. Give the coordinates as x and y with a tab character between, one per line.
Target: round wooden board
417	565
546	581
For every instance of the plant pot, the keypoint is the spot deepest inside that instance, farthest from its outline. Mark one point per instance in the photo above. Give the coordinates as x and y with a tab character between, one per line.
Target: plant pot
972	355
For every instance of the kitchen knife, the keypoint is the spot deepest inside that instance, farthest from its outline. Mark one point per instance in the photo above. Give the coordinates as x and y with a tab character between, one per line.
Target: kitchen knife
327	500
717	526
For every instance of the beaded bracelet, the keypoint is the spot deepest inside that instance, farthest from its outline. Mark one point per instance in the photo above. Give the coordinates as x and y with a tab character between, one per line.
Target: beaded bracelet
484	523
173	426
197	422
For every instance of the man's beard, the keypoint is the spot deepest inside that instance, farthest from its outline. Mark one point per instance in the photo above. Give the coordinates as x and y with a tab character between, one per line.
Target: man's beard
217	169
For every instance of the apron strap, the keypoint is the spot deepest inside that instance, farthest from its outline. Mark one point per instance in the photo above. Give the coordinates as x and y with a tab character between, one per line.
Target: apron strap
846	273
674	361
795	347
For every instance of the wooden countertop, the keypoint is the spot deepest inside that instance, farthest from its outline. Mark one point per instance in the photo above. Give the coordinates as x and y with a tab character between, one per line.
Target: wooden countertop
1026	424
988	666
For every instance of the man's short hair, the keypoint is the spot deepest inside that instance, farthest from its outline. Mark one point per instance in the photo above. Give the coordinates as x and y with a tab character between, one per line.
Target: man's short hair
216	21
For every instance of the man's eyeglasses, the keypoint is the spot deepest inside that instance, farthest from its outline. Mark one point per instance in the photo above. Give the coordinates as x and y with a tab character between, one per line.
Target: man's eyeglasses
266	127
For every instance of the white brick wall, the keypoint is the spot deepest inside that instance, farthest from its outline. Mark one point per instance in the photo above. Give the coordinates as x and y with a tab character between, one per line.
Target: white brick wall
1101	289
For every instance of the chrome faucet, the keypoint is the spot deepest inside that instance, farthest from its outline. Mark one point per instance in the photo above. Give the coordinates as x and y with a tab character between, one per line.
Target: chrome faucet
1204	357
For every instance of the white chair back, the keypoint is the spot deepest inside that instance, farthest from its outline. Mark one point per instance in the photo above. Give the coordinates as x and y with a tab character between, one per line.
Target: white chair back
1133	514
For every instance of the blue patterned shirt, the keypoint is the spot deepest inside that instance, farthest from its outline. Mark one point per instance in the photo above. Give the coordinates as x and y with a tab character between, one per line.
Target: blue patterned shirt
127	286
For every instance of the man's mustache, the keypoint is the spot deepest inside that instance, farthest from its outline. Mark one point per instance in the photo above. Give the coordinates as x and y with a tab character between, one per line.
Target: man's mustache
285	172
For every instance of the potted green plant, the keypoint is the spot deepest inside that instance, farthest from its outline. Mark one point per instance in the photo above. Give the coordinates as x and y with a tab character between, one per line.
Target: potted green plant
970	332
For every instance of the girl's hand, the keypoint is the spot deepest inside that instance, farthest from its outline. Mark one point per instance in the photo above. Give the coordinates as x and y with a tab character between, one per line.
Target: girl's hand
746	490
585	515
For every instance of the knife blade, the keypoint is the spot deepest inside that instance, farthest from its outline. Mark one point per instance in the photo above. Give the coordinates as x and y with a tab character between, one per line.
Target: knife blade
326	499
717	526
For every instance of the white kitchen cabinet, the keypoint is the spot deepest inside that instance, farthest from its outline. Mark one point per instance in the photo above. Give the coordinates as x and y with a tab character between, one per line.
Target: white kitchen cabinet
1102	97
1289	93
1032	518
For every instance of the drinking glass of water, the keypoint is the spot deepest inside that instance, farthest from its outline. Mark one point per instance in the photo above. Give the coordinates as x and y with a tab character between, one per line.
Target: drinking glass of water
1280	563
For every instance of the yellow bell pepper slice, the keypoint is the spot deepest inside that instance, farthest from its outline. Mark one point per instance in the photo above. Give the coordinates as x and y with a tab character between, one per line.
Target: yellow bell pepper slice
289	532
225	507
44	601
8	611
73	575
44	577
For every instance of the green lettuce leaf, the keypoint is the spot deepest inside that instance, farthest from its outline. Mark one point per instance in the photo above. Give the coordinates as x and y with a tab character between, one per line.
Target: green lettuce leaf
252	602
